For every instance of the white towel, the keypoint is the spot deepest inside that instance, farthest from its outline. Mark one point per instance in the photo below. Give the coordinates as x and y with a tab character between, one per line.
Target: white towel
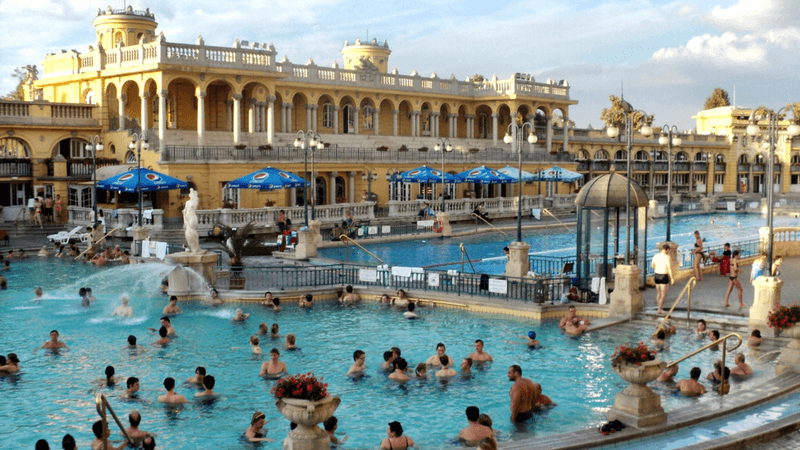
731	206
595	284
403	272
452	273
161	250
147	214
145	249
536	213
603	292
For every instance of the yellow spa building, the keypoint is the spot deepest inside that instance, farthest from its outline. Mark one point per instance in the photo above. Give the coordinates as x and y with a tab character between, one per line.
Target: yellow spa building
212	114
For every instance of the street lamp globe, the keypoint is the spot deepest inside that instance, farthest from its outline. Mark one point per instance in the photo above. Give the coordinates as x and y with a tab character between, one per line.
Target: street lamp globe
507	138
663	140
676	141
612	131
646	130
298	143
532	138
793	130
753	129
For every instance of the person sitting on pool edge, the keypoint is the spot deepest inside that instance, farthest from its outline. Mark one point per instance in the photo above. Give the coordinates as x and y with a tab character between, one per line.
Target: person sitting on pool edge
691	386
359	364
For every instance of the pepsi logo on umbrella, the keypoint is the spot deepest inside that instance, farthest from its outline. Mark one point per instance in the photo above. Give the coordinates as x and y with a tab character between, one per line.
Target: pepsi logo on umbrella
475	172
125	177
285	175
153	177
260	176
414	172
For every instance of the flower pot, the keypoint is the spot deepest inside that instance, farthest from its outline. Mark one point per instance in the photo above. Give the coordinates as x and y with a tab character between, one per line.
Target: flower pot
641	374
307	415
637	405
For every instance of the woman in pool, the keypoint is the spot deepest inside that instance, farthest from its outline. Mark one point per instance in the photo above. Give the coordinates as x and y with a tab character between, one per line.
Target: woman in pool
110	380
716	375
401	301
395	439
385	298
11	365
274	332
291	339
255	432
422	371
274	368
701	330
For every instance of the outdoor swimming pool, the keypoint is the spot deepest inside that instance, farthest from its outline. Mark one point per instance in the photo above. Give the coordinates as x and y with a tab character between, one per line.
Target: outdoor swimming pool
53	394
555	240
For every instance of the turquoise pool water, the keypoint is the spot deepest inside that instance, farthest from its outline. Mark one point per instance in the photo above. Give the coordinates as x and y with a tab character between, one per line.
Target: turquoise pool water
53	394
555	240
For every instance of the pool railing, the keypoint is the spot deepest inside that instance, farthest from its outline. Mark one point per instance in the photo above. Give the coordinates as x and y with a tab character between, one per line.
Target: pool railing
501	287
367	231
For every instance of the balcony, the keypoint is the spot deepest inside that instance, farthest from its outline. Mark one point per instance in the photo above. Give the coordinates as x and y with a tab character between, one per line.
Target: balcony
48	114
758	167
743	167
15	168
699	166
641	166
600	166
719	167
680	166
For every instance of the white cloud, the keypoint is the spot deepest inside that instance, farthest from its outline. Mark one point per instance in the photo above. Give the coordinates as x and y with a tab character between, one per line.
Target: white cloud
726	50
757	14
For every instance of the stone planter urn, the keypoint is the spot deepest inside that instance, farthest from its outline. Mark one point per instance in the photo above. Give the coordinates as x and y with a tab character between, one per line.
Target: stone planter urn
307	415
790	356
637	405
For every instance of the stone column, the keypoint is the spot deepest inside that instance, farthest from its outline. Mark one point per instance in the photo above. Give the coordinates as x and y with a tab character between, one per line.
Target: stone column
289	127
518	264
335	120
201	118
123	99
434	118
376	124
566	133
314	116
237	118
709	203
767	295
162	115
453	125
309	126
332	187
495	116
416	123
143	116
351	186
470	126
394	121
270	118
308	238
549	137
626	299
251	116
356	112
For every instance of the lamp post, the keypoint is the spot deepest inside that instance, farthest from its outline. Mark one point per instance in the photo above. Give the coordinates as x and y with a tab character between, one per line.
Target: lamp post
629	117
138	143
369	175
305	140
94	147
508	139
669	137
443	145
773	118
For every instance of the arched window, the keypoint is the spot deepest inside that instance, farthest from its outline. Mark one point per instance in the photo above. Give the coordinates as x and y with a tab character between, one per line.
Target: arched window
601	155
130	158
366	114
661	155
641	155
681	157
581	155
743	159
119	39
796	160
89	98
720	158
699	157
621	155
758	159
327	115
13	148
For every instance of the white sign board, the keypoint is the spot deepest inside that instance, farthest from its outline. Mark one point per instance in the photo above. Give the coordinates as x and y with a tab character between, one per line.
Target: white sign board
424	224
367	275
498	286
433	279
372	230
386	229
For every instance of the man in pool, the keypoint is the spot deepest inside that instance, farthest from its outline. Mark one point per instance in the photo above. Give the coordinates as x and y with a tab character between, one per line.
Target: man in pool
668	375
575	327
348	296
123	310
445	372
359	365
691	387
133	431
208	383
165	322
434	361
571	315
239	316
714	336
171	396
273	368
479	356
172	307
474	432
399	373
388	361
133	388
132	344
521	393
199	374
163	340
53	343
741	369
102	434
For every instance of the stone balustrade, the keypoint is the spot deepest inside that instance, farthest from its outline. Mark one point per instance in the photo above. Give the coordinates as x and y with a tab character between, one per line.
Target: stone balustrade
497	206
152	219
785	243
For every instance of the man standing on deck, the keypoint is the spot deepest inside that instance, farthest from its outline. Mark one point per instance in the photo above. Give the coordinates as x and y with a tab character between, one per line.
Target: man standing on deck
662	269
522	395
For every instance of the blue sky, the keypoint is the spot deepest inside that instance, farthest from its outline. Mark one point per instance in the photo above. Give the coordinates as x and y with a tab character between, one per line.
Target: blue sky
668	55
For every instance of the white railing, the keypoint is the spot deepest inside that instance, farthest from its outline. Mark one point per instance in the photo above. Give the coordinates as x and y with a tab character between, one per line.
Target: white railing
118	218
785	243
496	206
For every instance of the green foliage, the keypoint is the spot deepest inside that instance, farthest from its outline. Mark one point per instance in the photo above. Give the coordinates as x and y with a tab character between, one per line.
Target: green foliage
477	78
718	98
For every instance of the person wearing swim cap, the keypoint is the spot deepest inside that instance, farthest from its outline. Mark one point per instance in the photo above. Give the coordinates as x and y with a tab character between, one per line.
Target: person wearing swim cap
530	340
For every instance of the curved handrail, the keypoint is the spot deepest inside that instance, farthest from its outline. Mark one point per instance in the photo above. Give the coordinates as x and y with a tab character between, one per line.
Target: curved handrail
547	211
102	404
344	237
478	216
723	340
690	285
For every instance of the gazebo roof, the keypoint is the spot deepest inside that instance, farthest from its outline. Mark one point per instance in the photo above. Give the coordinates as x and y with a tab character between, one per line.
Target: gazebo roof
610	191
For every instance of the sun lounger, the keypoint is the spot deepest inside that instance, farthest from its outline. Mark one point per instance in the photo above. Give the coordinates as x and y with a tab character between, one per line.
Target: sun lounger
64	237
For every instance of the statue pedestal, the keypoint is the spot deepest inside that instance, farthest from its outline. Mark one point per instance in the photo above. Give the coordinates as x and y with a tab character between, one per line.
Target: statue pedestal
308	238
637	405
141	233
444	219
767	295
708	203
202	263
518	264
626	299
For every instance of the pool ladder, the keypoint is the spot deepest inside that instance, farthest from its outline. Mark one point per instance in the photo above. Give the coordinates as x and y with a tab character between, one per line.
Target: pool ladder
724	342
690	285
102	406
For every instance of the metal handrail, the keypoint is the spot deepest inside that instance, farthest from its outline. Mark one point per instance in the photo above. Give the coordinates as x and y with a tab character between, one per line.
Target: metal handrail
347	238
102	405
478	216
688	290
723	341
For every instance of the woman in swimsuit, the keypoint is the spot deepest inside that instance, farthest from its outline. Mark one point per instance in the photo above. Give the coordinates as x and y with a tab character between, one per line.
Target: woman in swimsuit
11	365
255	432
59	208
716	375
395	439
698	256
274	367
733	277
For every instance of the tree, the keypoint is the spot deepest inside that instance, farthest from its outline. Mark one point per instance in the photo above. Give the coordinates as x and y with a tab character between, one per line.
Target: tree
612	116
21	74
718	98
477	78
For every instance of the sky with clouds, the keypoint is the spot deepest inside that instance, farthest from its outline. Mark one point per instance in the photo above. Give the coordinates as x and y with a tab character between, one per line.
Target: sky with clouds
668	55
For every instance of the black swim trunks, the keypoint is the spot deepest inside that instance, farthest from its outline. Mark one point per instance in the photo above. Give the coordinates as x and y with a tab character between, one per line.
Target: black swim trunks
661	278
523	416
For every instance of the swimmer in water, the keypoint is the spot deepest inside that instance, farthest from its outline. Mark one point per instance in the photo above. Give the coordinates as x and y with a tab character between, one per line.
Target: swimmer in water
132	344
254	345
435	360
208	384
410	314
166	323
255	432
274	332
276	304
530	340
359	365
445	372
273	368
53	343
214	299
123	310
399	373
110	380
171	396
172	307
38	292
290	342
199	375
239	316
163	341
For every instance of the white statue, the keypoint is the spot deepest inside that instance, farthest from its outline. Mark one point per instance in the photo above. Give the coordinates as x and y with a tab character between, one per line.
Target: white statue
190	222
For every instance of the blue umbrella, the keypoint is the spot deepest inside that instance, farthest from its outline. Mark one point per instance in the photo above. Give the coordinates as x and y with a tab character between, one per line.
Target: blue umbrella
485	175
267	179
513	173
426	174
150	181
556	173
